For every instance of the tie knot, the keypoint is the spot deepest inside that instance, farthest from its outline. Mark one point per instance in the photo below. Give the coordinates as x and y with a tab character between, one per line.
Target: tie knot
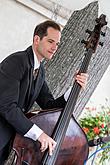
35	73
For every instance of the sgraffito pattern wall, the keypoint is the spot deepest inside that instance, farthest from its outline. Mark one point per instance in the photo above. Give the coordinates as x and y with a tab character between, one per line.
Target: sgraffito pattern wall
60	70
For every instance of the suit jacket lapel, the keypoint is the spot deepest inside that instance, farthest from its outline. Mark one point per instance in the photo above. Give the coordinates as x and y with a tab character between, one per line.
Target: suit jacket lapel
31	66
38	85
39	80
30	85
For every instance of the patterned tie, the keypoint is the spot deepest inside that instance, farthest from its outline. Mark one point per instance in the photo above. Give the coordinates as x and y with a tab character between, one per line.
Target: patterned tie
35	73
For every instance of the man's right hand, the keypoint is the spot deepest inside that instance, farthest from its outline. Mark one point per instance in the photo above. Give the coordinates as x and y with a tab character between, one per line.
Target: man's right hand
46	142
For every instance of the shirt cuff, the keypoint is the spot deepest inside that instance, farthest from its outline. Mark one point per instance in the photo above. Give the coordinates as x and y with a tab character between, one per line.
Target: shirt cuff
67	93
34	132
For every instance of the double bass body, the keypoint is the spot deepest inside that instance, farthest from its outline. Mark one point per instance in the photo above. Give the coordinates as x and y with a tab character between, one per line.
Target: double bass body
74	149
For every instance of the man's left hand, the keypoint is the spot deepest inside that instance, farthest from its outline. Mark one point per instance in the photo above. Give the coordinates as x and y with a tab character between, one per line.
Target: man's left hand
82	79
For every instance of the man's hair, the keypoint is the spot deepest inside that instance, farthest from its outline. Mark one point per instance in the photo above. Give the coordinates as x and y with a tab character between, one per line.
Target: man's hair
41	29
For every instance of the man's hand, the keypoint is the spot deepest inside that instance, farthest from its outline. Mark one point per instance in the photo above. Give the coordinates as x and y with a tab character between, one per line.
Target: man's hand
82	79
46	142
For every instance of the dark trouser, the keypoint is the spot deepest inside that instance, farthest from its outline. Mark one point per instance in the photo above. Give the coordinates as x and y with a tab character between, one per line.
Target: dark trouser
4	152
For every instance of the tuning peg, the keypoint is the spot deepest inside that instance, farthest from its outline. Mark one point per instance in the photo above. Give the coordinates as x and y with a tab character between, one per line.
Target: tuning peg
102	17
88	31
101	44
102	33
97	20
84	42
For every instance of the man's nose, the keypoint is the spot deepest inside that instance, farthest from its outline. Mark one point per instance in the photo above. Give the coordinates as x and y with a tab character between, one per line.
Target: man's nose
54	47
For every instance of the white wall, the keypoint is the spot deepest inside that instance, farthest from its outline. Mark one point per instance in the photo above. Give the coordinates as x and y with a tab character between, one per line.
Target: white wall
104	5
17	23
101	95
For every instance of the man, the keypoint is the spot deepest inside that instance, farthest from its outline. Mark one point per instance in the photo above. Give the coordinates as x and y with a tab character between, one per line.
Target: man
19	90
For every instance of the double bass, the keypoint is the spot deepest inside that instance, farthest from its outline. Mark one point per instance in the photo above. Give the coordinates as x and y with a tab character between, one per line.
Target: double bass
72	144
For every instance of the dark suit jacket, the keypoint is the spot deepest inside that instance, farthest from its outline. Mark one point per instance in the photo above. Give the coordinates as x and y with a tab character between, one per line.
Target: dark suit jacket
16	77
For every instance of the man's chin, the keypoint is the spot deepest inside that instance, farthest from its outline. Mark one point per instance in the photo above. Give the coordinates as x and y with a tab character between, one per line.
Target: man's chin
49	57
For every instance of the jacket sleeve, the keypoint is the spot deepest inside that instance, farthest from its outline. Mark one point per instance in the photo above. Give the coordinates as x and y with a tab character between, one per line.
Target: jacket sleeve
11	72
46	100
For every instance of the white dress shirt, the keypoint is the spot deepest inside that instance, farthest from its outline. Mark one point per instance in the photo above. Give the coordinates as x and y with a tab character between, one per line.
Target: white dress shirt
35	131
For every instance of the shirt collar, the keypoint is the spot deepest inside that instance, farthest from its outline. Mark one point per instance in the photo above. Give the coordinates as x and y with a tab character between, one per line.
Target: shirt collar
36	62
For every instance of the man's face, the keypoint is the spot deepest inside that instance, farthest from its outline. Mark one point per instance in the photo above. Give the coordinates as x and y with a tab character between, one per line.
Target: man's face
47	46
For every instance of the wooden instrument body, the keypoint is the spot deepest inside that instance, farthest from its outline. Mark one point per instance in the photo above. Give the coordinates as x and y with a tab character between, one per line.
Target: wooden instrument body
74	149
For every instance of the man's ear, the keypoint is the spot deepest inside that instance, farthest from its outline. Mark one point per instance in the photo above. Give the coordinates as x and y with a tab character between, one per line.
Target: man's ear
36	39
